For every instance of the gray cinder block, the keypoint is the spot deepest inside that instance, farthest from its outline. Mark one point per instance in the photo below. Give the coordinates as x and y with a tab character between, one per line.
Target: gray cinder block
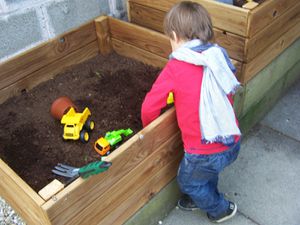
18	31
68	14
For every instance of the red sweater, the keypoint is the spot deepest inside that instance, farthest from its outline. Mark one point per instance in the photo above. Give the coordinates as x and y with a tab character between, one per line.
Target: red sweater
184	80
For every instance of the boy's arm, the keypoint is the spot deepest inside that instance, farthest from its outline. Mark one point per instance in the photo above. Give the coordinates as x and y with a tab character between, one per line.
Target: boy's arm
156	98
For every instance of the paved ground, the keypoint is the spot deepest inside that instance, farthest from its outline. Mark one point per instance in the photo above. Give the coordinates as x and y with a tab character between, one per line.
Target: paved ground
265	180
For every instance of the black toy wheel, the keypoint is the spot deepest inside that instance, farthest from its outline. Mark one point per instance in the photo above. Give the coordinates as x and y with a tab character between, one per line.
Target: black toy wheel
84	136
89	125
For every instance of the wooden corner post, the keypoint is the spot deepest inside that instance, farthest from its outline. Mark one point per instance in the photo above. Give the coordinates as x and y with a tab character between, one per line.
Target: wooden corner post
103	35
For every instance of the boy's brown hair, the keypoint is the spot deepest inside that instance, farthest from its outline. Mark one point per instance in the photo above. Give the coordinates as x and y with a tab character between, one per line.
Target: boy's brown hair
189	20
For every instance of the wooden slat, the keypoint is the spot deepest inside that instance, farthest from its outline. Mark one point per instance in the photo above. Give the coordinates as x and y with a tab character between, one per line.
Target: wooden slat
103	35
131	51
147	16
49	71
143	38
250	5
127	50
234	44
224	16
259	62
267	13
51	189
272	32
21	197
81	193
153	19
44	54
238	65
122	211
127	186
128	11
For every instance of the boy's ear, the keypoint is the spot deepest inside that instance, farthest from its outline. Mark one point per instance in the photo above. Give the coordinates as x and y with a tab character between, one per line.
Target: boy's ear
175	37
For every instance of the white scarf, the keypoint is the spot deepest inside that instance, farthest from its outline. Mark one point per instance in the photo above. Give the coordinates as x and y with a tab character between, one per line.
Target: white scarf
216	114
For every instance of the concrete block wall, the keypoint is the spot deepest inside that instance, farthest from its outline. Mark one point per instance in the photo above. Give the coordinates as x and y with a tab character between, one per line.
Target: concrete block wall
26	23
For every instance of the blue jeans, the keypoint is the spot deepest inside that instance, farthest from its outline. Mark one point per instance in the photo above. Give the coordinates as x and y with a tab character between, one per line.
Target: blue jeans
198	177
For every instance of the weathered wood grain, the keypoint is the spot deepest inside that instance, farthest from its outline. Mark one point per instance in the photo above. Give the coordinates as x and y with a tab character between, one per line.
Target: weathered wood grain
267	36
153	18
49	71
131	51
21	197
259	62
127	187
267	13
128	156
103	35
143	38
152	184
224	16
34	59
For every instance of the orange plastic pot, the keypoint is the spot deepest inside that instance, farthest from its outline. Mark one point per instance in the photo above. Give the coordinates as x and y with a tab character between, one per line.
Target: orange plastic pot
61	106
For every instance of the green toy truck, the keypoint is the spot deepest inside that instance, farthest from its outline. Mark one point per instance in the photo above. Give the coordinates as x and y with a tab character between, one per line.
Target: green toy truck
105	144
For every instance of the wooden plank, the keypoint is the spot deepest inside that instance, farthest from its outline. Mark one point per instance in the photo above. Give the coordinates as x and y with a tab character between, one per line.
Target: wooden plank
51	189
136	179
267	13
272	32
131	51
127	50
40	56
143	38
238	65
224	16
122	211
153	19
103	35
128	11
49	71
82	193
259	62
21	197
250	5
234	44
147	17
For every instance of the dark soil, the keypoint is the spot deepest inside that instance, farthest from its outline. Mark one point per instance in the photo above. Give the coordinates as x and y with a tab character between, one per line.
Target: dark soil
112	87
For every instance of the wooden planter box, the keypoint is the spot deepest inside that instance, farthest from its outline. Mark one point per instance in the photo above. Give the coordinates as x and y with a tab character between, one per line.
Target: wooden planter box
141	166
252	37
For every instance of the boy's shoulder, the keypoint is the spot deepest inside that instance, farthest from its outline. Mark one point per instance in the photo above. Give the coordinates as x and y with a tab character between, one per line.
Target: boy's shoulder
177	63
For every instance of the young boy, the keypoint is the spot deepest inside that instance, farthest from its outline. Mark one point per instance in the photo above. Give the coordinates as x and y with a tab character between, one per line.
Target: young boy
200	75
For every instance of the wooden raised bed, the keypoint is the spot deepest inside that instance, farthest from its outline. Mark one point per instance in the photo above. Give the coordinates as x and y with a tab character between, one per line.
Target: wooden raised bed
252	37
141	166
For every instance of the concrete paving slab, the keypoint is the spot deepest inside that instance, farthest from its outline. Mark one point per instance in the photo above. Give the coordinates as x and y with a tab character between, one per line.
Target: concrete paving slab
283	117
264	181
179	217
